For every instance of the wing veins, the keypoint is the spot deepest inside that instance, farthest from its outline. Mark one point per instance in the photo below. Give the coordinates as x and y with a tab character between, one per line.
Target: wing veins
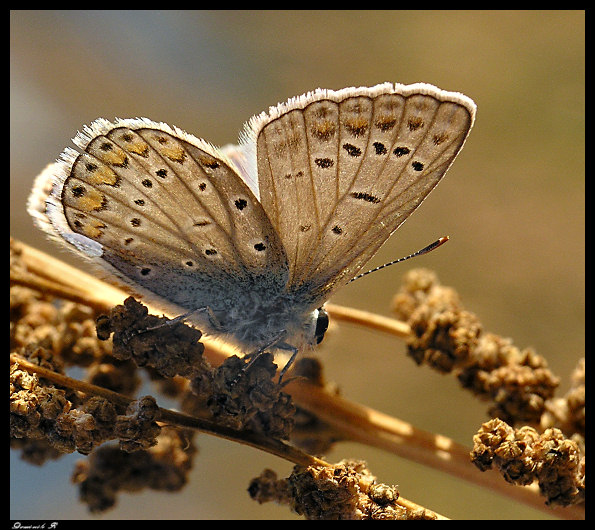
313	187
307	266
114	198
229	235
380	210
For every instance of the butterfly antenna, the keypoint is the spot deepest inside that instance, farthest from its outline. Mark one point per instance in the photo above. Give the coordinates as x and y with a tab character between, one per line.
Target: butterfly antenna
425	250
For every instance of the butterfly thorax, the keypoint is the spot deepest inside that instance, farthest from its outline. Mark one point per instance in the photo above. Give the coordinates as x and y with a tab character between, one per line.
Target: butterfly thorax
255	321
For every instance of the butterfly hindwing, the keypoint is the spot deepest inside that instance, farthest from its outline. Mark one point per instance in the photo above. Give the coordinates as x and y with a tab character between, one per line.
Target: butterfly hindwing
206	233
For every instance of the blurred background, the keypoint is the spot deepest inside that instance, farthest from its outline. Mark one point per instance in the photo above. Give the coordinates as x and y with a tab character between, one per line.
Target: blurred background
513	203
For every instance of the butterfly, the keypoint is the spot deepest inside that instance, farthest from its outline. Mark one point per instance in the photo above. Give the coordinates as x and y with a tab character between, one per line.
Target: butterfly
252	240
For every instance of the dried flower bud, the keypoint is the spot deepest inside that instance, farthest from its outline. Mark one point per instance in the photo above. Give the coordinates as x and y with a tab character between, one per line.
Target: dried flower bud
524	456
138	428
346	490
169	346
249	398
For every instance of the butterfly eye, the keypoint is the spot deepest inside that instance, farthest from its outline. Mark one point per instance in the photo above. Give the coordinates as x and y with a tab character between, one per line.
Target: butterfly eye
321	325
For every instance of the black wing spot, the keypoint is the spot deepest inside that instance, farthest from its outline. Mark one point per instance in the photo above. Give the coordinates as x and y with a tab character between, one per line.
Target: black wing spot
365	197
379	147
241	204
78	191
324	162
402	151
352	150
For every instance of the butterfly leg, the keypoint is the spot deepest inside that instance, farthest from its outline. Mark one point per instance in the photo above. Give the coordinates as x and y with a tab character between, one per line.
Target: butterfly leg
253	356
294	352
282	346
213	320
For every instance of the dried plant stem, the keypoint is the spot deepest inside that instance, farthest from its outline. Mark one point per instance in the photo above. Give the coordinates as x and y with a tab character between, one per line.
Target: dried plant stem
369	320
64	281
275	447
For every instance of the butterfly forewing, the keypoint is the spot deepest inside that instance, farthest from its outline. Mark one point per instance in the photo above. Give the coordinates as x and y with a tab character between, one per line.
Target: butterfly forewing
340	171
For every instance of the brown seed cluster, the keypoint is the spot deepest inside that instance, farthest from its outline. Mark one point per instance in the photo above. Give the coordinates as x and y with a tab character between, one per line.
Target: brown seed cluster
451	339
168	346
249	399
523	456
109	471
346	490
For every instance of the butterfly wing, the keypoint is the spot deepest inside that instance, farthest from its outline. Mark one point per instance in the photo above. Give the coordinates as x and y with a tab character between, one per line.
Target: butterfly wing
206	235
339	172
